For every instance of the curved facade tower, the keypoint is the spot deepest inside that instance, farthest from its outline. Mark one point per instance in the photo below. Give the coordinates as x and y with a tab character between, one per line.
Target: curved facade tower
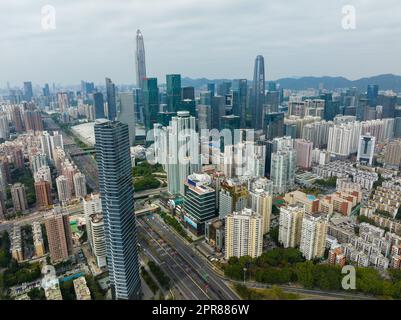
258	92
140	64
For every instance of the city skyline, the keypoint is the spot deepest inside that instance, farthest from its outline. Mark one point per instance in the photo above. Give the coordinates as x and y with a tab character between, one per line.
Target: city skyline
194	171
65	54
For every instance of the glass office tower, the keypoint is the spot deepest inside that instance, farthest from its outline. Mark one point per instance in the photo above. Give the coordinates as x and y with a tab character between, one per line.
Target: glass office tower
150	102
173	82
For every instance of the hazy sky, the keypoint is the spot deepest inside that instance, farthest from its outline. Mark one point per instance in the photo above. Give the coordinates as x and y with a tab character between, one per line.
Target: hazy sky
197	38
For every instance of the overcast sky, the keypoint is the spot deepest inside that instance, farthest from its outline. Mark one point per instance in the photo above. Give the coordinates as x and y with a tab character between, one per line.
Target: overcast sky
197	38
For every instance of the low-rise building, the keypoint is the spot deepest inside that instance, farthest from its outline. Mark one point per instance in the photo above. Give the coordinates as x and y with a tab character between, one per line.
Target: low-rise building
82	291
38	239
16	244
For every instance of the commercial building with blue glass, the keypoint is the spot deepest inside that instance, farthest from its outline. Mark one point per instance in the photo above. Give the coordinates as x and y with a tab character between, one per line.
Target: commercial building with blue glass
199	205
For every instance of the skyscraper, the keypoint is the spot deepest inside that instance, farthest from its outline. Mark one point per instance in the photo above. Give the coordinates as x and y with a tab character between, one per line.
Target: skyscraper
140	64
173	82
181	150
28	92
258	92
240	95
138	105
188	93
204	117
126	113
46	90
274	125
150	102
99	105
371	94
117	195
218	111
111	99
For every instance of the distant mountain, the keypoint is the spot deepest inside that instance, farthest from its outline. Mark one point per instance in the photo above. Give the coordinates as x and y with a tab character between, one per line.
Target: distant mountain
385	82
201	82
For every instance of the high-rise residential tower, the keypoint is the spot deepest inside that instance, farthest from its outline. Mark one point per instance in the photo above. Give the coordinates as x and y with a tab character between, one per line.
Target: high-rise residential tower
117	195
18	195
290	226
80	185
140	64
243	234
63	189
258	91
304	153
43	194
58	234
313	236
178	149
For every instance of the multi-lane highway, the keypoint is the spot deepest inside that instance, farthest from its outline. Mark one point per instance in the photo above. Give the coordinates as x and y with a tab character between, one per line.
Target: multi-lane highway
217	288
186	284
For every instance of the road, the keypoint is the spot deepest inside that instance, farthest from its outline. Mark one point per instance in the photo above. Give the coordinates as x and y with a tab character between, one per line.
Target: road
193	258
37	216
185	282
150	192
327	294
86	163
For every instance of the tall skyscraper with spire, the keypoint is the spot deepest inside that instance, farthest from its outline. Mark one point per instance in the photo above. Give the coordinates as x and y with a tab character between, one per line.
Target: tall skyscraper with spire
258	93
140	64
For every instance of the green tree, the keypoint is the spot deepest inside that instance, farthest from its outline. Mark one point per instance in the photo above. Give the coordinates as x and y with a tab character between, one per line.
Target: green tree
304	272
